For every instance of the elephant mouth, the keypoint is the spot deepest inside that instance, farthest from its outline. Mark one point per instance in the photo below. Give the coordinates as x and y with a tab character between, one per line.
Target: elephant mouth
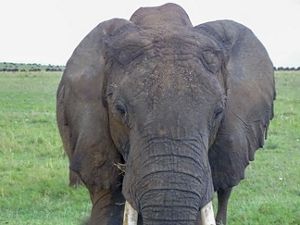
131	215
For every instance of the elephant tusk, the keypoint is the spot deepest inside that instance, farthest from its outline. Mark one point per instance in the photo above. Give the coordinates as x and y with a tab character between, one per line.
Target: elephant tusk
207	215
130	215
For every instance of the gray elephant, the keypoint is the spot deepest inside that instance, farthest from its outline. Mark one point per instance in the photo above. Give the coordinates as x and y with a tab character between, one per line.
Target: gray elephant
184	108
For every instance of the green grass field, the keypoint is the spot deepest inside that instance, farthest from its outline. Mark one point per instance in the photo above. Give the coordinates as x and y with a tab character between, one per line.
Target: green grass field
34	171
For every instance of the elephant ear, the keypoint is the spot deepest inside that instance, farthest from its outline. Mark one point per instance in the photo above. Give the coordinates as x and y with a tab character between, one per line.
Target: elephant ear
81	115
250	89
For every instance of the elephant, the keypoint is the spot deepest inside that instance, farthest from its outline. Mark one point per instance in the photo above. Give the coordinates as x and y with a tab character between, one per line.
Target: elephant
156	115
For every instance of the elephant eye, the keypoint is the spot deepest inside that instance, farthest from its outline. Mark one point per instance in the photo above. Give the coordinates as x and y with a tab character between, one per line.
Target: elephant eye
121	109
218	112
121	112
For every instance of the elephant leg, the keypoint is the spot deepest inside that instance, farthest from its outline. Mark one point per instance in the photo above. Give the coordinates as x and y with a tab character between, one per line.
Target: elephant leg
74	179
107	208
223	197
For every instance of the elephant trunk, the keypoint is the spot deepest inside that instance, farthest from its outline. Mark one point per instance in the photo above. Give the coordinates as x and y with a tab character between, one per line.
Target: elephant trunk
173	183
169	207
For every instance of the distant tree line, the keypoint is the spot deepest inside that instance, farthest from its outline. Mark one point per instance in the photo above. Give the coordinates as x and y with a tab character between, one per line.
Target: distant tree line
22	67
9	69
53	68
281	68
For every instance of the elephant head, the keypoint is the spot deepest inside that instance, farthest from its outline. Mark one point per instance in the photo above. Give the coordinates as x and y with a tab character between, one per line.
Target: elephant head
183	108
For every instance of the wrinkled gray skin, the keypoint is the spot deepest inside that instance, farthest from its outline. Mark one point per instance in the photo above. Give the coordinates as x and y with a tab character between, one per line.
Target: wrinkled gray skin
184	107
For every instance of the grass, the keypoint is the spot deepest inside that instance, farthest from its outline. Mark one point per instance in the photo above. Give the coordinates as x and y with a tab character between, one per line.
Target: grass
33	169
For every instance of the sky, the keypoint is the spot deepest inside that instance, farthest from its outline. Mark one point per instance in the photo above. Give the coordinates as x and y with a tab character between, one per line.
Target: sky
47	31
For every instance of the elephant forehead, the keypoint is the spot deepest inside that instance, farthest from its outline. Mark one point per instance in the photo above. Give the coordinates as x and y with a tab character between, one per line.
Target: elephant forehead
156	81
